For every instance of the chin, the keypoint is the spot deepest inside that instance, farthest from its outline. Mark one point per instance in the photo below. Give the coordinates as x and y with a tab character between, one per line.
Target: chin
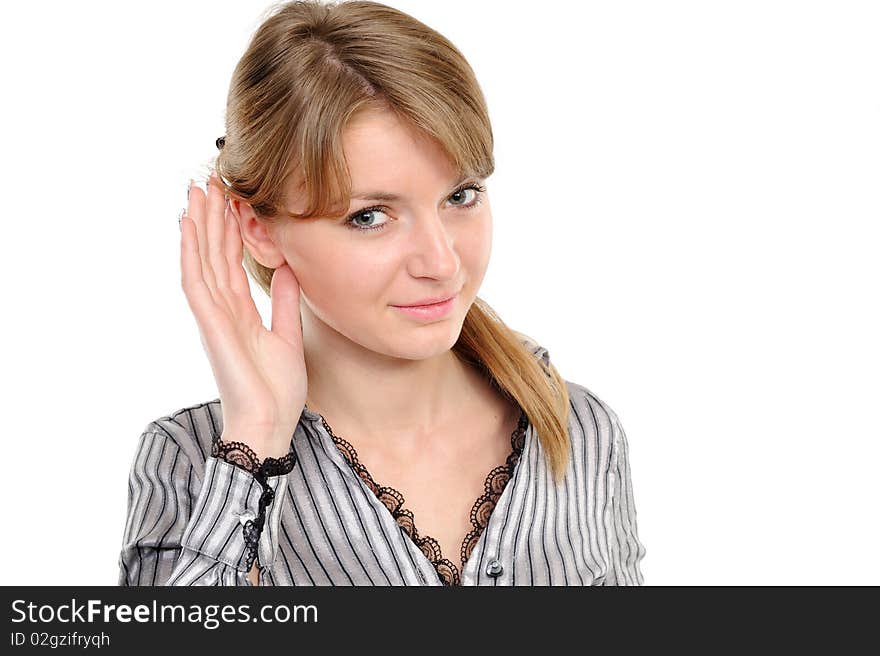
423	344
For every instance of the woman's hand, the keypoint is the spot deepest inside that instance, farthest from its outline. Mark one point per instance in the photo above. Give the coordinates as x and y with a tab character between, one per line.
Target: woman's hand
260	374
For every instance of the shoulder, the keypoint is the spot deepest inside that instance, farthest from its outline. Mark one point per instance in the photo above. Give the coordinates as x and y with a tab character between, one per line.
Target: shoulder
192	429
594	427
584	402
537	349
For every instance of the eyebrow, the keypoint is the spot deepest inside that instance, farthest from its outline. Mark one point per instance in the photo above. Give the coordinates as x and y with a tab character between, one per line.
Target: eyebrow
389	197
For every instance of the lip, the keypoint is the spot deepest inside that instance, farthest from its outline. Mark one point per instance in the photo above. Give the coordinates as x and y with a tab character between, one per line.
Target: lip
429	310
430	301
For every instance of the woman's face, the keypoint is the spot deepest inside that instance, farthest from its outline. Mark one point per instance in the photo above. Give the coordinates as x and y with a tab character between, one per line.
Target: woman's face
427	242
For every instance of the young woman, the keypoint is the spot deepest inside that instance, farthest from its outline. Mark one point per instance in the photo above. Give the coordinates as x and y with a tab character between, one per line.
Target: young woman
389	429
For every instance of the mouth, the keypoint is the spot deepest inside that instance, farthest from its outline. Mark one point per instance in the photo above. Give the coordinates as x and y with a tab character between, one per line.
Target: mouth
430	310
429	303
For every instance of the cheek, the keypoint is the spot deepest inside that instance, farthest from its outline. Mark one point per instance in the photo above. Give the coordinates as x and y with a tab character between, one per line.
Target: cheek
475	246
336	278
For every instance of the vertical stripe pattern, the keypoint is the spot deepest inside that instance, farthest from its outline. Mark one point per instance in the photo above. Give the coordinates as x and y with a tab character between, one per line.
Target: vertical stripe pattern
186	511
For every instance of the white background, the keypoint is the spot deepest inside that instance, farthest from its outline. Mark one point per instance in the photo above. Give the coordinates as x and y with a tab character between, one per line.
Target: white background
685	214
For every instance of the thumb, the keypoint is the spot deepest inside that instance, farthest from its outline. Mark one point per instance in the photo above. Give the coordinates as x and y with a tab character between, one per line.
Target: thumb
284	291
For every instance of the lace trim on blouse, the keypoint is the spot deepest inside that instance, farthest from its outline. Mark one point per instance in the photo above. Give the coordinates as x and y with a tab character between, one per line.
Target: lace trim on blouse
243	456
496	481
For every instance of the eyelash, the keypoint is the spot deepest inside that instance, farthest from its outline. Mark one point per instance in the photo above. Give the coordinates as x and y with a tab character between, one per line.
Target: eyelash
479	189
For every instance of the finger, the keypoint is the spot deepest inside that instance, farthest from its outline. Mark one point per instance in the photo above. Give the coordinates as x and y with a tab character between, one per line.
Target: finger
216	332
238	282
214	228
284	291
196	212
197	293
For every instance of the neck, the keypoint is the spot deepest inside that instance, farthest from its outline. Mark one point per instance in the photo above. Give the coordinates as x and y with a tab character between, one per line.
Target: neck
377	396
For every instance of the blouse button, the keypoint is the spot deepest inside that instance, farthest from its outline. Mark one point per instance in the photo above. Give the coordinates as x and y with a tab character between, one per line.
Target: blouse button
494	568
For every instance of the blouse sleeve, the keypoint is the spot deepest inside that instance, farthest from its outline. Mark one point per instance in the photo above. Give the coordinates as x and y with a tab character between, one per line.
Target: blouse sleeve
624	547
182	532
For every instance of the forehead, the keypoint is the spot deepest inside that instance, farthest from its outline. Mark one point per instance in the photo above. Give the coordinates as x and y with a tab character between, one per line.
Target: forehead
385	154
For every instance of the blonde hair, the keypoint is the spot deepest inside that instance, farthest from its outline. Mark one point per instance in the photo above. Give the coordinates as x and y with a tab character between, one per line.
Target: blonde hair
308	70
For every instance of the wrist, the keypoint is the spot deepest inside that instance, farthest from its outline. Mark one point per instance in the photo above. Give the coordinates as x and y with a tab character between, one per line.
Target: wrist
261	446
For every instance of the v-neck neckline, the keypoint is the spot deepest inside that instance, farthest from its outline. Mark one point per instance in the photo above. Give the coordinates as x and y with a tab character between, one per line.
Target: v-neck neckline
392	501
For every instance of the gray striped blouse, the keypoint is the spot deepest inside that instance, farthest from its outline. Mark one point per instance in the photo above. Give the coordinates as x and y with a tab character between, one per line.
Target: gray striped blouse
187	510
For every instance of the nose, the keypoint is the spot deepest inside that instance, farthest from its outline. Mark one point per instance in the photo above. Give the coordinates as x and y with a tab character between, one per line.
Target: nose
433	248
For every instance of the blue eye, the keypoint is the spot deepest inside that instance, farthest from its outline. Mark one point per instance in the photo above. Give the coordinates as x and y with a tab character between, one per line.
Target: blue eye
350	222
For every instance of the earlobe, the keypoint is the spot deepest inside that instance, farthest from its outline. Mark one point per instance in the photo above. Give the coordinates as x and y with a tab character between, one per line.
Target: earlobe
255	235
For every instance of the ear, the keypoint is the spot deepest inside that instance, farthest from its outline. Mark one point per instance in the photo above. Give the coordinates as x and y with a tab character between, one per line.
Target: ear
256	235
